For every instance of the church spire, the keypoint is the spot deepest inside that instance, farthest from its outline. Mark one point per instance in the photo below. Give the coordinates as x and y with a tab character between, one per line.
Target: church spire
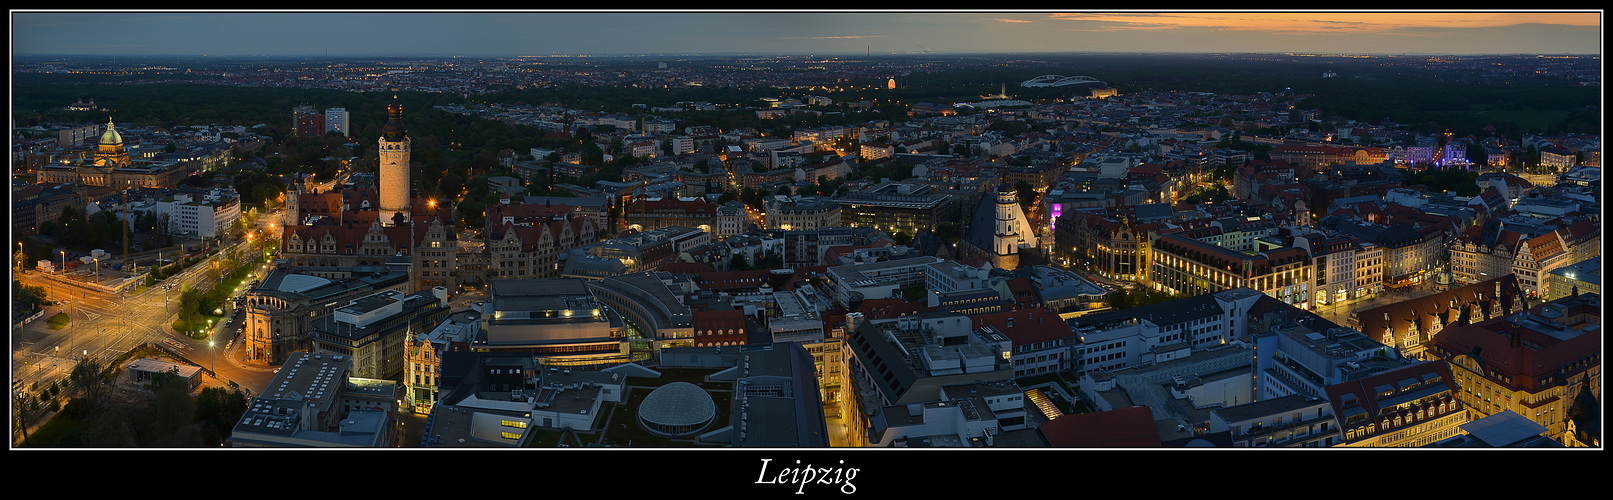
394	131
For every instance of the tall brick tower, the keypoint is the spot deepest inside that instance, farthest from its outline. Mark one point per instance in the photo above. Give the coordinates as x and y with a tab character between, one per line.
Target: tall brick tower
394	174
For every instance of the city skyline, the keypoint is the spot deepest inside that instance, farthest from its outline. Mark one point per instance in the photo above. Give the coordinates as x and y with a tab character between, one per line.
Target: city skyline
688	32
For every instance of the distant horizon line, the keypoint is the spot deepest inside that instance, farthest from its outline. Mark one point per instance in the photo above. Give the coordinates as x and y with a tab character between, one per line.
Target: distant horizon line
808	53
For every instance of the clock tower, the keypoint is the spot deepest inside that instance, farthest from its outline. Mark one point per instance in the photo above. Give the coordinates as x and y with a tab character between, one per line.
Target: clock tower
394	173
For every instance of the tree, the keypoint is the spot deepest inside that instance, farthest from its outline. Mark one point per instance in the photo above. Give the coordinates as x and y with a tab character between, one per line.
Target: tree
902	238
770	260
87	376
28	298
217	410
949	232
23	409
1027	195
113	427
172	405
190	307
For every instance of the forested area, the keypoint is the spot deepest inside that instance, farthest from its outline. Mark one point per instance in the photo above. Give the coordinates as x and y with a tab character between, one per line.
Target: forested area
453	151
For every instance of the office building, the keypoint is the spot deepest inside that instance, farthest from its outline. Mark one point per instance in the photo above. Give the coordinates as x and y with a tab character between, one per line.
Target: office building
896	206
313	401
336	121
373	330
1294	421
306	122
910	359
558	321
854	283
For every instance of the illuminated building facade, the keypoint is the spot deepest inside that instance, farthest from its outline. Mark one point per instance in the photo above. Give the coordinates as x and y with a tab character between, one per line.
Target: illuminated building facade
1581	277
998	230
372	330
1319	157
652	313
1192	267
282	309
559	321
394	173
1534	363
1115	250
801	213
895	206
1411	406
422	358
110	166
647	214
1410	325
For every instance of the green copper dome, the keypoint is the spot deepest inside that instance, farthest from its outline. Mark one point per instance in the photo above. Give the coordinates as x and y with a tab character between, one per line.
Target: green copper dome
111	136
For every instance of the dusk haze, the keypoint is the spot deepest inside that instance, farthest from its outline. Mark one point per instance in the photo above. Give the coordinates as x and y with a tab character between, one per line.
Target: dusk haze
805	250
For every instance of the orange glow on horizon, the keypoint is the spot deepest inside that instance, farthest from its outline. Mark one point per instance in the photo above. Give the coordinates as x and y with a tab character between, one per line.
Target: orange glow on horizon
1354	22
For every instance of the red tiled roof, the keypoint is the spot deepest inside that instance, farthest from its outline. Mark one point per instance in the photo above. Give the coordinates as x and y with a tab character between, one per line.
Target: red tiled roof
1029	325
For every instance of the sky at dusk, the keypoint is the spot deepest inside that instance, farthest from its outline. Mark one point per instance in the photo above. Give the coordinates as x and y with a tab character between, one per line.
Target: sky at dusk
545	33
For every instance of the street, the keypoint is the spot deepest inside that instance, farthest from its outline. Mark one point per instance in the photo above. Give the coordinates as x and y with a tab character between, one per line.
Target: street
1340	314
105	325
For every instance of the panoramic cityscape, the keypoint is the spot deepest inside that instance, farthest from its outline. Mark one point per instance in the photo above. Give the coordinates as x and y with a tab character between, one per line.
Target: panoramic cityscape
806	230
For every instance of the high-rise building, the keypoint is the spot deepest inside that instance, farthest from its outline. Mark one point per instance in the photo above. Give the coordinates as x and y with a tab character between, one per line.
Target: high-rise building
307	122
336	121
394	172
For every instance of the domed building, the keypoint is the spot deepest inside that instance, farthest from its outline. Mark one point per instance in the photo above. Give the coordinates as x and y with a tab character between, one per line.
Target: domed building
677	409
109	166
109	152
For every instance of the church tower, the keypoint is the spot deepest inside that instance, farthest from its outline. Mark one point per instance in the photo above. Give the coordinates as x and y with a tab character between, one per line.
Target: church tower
293	215
1006	236
394	174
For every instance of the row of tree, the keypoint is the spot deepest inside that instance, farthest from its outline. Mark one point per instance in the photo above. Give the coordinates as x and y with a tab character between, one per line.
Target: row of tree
170	418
